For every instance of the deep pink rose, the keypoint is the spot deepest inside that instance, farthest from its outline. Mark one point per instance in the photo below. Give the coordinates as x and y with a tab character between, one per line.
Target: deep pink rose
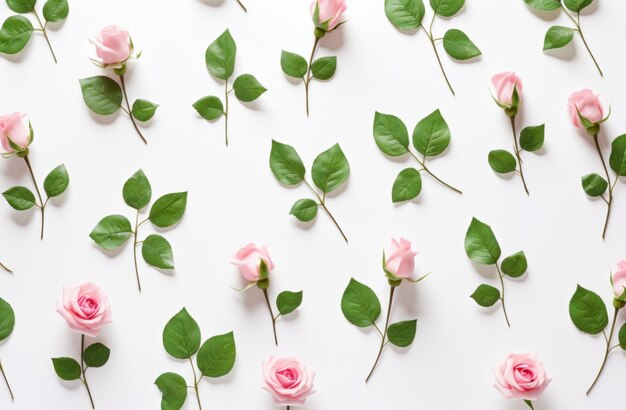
248	261
112	45
85	308
329	10
400	258
521	376
14	126
504	84
619	279
289	382
588	105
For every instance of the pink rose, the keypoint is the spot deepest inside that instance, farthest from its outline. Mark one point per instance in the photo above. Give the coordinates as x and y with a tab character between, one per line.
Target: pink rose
112	45
521	376
588	105
248	261
14	126
85	308
504	84
619	279
401	259
289	382
330	12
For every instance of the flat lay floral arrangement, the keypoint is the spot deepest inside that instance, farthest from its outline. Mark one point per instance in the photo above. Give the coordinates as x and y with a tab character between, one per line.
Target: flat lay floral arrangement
336	288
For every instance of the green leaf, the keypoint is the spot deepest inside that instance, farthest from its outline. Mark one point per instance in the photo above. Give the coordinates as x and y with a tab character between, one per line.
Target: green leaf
401	334
618	155
304	209
293	65
587	311
174	389
66	368
594	185
447	8
210	108
101	94
459	46
405	14
96	355
220	56
22	6
286	164
431	135
112	232
531	138
481	244
137	191
157	251
407	185
247	88
143	110
622	337
486	295
168	209
324	68
55	10
181	336
390	134
14	34
7	319
287	302
515	265
502	161
557	37
330	169
360	305
545	5
56	182
577	5
217	355
20	198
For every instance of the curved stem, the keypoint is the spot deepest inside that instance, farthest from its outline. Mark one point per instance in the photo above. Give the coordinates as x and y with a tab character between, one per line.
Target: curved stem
423	165
269	306
608	178
382	343
45	34
83	369
307	79
606	354
582	37
4	375
130	110
42	206
135	250
226	111
195	383
5	268
322	203
517	154
501	276
432	42
242	6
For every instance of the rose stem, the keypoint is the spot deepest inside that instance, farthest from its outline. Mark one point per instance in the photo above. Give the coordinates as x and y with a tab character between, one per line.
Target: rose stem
43	204
6	381
501	276
130	111
45	34
5	268
137	225
608	178
608	350
582	37
529	404
84	369
429	33
242	6
517	154
423	165
269	306
323	205
307	79
226	92
196	381
384	335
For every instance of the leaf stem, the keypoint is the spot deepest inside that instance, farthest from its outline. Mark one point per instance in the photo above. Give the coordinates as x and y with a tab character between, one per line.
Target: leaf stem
383	341
226	111
322	203
429	33
501	276
137	224
4	375
83	369
517	154
43	205
130	111
242	6
423	165
611	186
606	354
45	34
307	79
5	268
269	306
195	383
578	29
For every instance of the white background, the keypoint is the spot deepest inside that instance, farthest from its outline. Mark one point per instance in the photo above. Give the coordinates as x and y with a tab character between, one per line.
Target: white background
234	199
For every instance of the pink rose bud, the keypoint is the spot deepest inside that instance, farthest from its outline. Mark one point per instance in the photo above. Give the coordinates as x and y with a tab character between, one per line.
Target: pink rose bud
248	261
619	280
327	14
521	376
589	106
504	84
288	381
112	45
85	308
14	130
400	259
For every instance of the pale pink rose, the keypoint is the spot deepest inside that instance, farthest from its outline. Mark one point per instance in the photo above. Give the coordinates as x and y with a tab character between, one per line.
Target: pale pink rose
14	126
329	10
401	258
521	376
289	382
248	261
504	83
589	106
85	308
619	279
112	45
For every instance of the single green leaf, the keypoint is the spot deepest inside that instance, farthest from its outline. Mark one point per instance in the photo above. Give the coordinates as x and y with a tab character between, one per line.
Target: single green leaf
447	8
220	56
143	110
157	251
181	336
401	334
168	209
248	88
137	191
557	37
502	161
174	390
112	232
14	34
304	210
544	5
7	319
210	108
594	185
531	138
390	134
101	94
515	265
407	185
217	355
286	164
293	65
324	68
22	6
55	10
56	182
287	302
588	311
459	46
405	14
618	155
20	198
96	355
66	368
330	169
481	244
431	135
577	5
360	305
622	337
486	295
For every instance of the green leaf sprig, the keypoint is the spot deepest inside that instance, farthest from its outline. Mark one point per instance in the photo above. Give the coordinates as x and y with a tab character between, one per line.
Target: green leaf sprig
7	324
113	231
330	170
408	15
560	36
17	30
431	137
220	61
181	339
482	247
